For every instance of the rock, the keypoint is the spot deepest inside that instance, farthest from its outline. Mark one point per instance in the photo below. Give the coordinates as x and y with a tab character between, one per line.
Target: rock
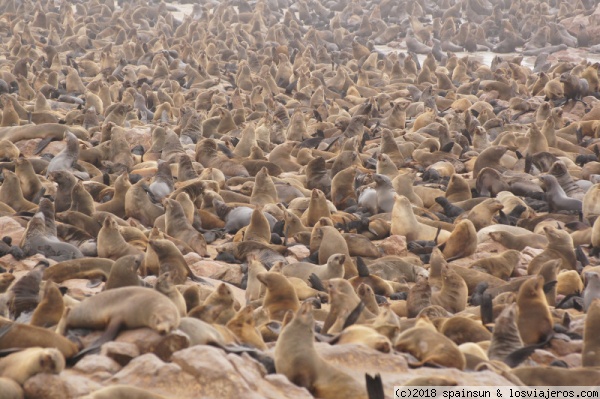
299	251
11	228
119	352
101	363
42	386
572	359
356	360
79	385
147	340
563	348
543	357
254	374
394	245
150	373
230	273
139	136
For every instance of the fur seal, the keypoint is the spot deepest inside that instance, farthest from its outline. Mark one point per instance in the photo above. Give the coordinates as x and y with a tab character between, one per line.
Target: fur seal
280	295
519	242
111	244
462	241
51	307
171	260
560	246
404	223
178	226
297	359
105	311
556	196
22	365
501	266
591	342
453	293
90	268
534	319
333	269
123	272
243	327
430	347
505	337
37	240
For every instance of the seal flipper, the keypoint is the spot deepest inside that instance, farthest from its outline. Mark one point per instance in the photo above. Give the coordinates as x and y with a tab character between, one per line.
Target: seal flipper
517	357
200	280
316	282
374	386
363	270
354	315
42	144
111	332
487	309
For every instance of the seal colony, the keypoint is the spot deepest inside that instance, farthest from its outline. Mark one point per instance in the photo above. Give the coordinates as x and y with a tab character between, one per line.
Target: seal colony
435	210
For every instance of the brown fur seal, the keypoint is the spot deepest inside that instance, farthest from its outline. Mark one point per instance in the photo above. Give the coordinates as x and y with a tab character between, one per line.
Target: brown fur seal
333	269
519	242
454	291
243	327
116	205
280	295
178	226
462	330
591	341
171	260
111	244
329	241
297	359
505	338
317	208
364	335
25	336
51	307
343	300
462	241
12	195
124	272
490	157
343	194
37	240
405	223
419	297
534	319
29	181
560	246
139	206
218	307
430	347
259	228
378	285
501	266
106	311
90	268
22	365
164	285
556	197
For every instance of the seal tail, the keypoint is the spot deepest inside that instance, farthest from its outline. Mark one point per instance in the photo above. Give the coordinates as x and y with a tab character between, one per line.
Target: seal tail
374	386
